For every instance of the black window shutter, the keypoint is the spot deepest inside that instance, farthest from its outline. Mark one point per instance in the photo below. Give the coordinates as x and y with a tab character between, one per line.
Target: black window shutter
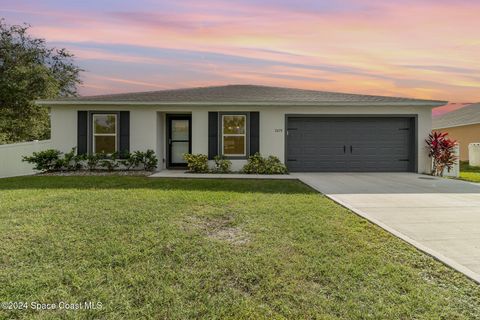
212	135
254	132
124	132
82	132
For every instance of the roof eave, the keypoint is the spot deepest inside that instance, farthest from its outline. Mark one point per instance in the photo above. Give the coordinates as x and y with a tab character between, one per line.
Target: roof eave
320	103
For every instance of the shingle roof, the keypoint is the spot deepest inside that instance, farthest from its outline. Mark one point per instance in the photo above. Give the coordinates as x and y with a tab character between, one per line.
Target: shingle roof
461	117
241	94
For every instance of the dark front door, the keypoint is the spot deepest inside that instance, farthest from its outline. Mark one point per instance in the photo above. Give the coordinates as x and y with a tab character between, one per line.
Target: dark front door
179	136
350	144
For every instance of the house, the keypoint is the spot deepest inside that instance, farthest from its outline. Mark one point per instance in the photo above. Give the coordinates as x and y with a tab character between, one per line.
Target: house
462	125
308	130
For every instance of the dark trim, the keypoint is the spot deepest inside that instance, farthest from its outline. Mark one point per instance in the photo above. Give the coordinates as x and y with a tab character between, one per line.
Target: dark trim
168	119
254	132
247	134
413	117
212	135
124	143
415	151
82	132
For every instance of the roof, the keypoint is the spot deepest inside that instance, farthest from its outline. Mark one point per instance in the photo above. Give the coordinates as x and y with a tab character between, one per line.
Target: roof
460	117
241	94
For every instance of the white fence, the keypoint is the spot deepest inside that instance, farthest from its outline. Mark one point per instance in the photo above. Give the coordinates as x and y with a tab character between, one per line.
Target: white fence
11	163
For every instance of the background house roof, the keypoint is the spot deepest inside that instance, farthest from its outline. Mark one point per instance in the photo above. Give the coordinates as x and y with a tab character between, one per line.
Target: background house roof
241	94
461	117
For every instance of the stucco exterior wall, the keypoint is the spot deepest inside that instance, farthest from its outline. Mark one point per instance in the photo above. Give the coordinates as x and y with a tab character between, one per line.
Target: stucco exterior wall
464	136
147	125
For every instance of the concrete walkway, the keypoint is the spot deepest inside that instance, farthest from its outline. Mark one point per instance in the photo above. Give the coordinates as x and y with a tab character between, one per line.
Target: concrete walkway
439	216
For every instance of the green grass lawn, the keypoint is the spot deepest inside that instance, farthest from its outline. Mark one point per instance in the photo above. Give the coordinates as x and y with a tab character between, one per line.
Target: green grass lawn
469	173
179	249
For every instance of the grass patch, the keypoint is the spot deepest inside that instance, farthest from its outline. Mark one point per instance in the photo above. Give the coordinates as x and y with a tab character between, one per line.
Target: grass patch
214	249
469	173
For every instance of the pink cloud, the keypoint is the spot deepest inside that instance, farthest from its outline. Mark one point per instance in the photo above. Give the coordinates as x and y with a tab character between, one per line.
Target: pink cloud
378	39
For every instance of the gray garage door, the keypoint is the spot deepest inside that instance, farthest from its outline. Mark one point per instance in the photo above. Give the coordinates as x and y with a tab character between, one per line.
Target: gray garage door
350	144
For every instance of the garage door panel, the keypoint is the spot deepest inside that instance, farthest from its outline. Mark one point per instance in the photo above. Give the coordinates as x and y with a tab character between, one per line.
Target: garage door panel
350	144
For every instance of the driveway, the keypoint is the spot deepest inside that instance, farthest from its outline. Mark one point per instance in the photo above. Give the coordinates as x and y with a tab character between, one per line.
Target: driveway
439	216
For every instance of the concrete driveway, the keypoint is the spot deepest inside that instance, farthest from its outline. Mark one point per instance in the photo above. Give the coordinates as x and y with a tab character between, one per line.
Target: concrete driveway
439	216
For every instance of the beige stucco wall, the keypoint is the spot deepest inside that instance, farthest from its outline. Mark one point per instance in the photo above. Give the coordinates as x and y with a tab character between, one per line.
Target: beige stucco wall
147	125
464	136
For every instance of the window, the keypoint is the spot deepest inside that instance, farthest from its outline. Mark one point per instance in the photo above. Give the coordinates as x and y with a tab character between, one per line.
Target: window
104	133
234	135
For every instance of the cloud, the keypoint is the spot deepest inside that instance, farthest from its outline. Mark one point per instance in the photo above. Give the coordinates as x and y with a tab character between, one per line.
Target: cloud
418	48
446	69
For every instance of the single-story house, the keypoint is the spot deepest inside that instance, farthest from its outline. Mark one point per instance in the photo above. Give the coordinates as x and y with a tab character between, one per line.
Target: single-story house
308	130
462	125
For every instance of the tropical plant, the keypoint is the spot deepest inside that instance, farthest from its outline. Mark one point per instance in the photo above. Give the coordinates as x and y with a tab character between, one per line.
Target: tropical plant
196	163
441	150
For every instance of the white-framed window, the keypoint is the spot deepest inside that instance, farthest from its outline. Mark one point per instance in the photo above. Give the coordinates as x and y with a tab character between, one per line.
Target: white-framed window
234	135
104	133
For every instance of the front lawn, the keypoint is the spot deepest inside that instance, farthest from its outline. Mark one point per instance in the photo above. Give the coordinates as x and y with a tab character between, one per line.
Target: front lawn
469	173
213	249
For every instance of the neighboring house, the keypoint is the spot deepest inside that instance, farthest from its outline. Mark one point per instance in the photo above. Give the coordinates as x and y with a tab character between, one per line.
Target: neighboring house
308	130
462	125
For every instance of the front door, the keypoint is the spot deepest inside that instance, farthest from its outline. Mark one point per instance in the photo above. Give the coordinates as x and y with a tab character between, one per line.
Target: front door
179	136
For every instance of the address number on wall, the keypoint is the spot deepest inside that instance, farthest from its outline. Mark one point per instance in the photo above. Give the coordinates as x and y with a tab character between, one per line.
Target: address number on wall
277	130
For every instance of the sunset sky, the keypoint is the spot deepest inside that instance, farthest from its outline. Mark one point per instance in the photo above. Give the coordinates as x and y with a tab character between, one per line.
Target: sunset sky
413	48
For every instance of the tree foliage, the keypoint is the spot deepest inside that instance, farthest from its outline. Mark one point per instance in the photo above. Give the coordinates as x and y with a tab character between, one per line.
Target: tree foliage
29	71
441	150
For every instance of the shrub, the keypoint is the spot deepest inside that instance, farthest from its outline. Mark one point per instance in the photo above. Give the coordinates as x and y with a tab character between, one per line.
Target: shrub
71	161
147	159
259	165
150	161
273	165
92	161
109	161
129	161
197	163
255	164
441	150
222	164
52	160
109	164
47	160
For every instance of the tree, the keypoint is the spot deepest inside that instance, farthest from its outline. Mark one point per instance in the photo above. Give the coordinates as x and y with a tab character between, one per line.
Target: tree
29	70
